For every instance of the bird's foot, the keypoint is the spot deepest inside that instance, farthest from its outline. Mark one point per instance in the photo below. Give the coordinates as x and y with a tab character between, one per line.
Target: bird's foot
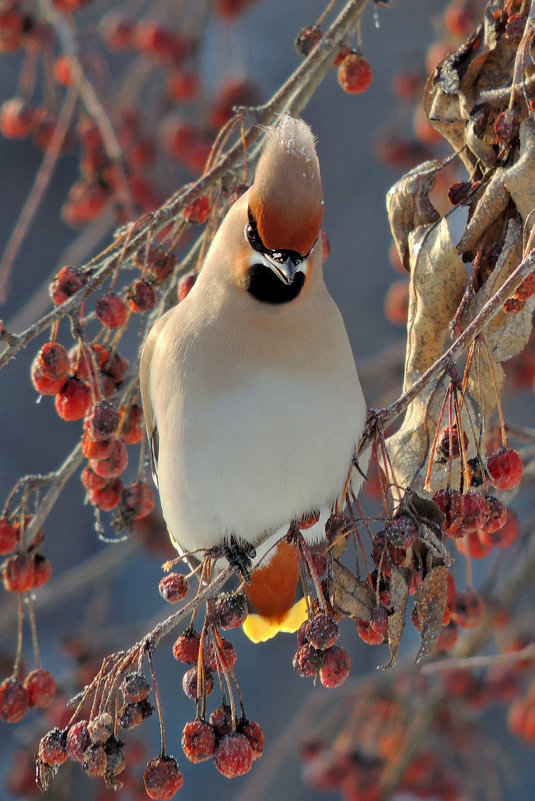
239	555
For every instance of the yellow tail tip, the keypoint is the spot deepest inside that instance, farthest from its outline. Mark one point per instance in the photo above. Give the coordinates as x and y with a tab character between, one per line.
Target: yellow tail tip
260	629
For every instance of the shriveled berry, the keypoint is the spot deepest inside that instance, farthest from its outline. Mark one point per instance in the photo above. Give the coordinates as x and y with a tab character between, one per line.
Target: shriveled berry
448	442
186	284
335	668
111	311
78	740
514	27
468	609
132	714
137	501
527	288
199	740
234	755
95	760
173	587
101	421
379	620
114	464
354	73
186	647
14	700
116	367
116	761
74	399
495	520
141	296
507	125
255	735
162	778
221	655
308	660
190	684
91	480
513	306
307	39
100	728
96	449
18	572
506	468
450	502
8	536
221	720
231	609
66	283
53	748
50	368
135	687
157	263
321	632
402	531
319	560
337	526
41	688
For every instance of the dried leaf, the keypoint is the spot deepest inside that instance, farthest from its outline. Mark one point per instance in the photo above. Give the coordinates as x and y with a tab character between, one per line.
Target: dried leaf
437	282
490	205
408	204
518	178
430	602
400	580
349	595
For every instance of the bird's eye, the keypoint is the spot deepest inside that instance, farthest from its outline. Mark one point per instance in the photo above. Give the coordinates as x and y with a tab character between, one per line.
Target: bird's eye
251	236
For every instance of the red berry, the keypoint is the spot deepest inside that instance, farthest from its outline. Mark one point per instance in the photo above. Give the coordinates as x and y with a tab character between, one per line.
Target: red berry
41	687
74	399
450	502
50	368
354	73
369	634
130	424
321	632
16	117
186	284
78	740
231	609
101	421
335	669
220	656
141	296
173	587
448	636
137	501
468	610
66	283
234	755
458	19
186	647
42	570
472	544
513	306
12	23
508	533
8	536
116	367
182	85
198	211
507	125
14	700
505	468
379	620
198	740
18	572
162	778
108	497
476	511
91	480
448	442
255	735
53	748
157	263
111	310
527	288
495	521
114	464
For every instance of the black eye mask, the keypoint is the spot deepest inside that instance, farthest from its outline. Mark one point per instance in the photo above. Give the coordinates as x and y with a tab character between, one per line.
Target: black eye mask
278	256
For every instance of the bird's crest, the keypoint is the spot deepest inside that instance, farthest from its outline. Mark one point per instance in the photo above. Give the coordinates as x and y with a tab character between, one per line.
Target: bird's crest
286	198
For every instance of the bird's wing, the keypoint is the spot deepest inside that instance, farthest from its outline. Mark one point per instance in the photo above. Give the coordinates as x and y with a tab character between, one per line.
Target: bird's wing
144	385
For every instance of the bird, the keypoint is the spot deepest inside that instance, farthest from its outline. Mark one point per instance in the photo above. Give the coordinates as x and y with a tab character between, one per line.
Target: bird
251	397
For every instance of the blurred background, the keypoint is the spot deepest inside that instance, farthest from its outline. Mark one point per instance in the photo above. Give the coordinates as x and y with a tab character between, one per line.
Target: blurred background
103	596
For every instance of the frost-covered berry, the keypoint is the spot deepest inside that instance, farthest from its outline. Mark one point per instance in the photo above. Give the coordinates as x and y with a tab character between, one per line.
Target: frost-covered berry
162	778
231	609
354	73
53	748
135	687
173	587
186	647
41	687
199	740
14	700
335	668
321	632
505	468
234	755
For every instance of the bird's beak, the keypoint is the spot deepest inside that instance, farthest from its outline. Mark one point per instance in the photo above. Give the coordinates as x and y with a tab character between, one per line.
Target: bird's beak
286	270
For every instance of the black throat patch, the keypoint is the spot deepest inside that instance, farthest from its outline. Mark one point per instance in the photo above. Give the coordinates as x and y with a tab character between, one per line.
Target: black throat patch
262	283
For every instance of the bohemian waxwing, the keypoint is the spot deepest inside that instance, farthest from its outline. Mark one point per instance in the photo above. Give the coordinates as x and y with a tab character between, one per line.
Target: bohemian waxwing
251	397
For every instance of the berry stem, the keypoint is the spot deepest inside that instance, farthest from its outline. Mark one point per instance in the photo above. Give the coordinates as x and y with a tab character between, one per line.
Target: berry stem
157	699
20	624
33	629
